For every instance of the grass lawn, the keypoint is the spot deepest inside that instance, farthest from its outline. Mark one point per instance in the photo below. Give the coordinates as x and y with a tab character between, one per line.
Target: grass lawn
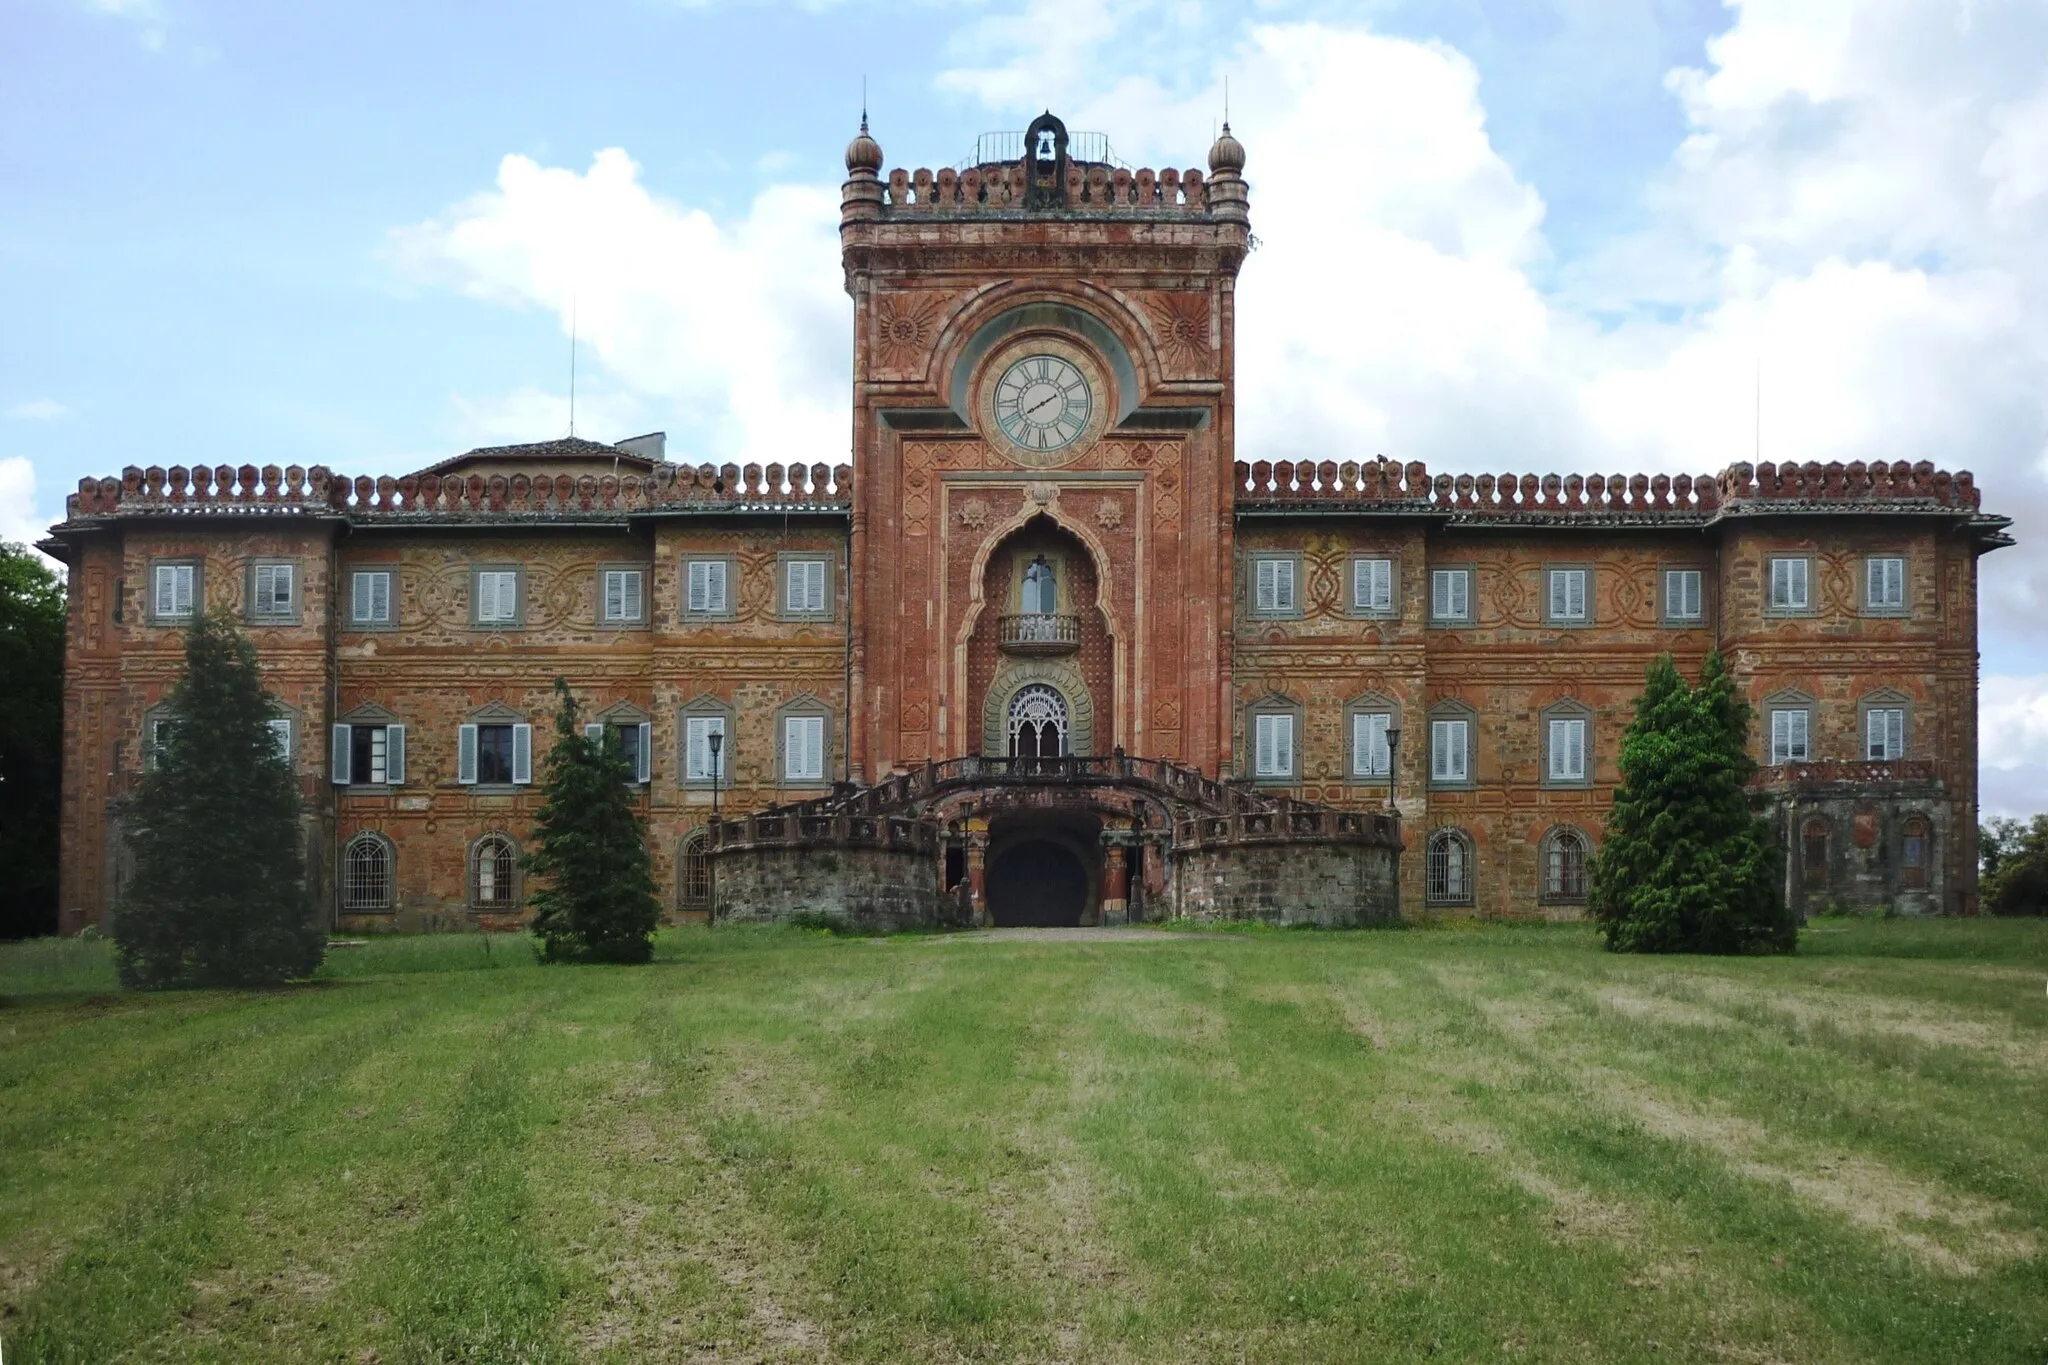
1453	1143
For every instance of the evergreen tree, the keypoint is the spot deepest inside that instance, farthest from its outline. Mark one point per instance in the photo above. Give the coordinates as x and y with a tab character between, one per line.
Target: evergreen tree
1688	865
218	897
31	740
591	847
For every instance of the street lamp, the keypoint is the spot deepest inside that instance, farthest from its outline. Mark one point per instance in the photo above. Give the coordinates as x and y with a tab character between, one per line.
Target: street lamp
1393	765
717	741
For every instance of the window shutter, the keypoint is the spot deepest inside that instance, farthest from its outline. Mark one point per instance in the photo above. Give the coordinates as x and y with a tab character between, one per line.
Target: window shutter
1283	585
714	589
1895	734
1461	757
338	753
394	755
1361	745
1558	606
614	596
631	590
1269	585
644	769
359	597
522	754
1262	745
1283	742
380	597
486	597
166	593
696	756
595	733
465	755
281	738
700	588
1575	594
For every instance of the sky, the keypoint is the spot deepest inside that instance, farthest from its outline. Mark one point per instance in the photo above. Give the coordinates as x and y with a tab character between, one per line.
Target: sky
1527	235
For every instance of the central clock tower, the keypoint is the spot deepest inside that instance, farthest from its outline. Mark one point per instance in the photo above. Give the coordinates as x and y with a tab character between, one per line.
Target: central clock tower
1042	447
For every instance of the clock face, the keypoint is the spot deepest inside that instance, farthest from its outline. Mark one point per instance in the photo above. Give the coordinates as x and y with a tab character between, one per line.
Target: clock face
1042	402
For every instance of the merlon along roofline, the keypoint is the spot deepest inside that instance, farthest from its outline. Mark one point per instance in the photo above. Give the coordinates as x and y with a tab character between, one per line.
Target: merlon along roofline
294	491
1740	489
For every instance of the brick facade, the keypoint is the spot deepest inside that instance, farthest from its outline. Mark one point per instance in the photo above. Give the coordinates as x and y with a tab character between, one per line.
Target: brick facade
1158	643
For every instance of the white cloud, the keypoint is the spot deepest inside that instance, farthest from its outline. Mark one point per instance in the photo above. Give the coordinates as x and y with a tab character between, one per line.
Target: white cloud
2012	723
19	522
740	328
146	16
38	410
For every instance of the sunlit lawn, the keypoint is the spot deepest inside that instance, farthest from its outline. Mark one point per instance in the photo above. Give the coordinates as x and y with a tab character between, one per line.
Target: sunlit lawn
1456	1143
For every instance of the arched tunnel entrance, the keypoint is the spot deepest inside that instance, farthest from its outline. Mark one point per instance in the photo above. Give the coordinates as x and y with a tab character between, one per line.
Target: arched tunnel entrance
1043	875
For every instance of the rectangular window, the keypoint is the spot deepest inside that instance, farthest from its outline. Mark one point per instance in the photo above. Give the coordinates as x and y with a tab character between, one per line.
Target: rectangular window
1372	585
1450	751
1885	733
497	596
697	761
370	597
1884	584
803	748
803	587
1567	594
1788	585
1273	744
706	587
1450	594
1682	601
634	743
271	592
623	595
174	590
281	736
1369	756
369	755
1568	750
1788	737
1274	586
495	755
159	739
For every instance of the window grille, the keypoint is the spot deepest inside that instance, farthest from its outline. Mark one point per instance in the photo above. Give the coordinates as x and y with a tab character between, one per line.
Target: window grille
491	872
1450	868
366	874
1565	866
693	878
1915	837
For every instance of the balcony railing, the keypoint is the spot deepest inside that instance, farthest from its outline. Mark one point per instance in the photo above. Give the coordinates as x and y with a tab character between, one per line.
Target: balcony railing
1040	633
1800	774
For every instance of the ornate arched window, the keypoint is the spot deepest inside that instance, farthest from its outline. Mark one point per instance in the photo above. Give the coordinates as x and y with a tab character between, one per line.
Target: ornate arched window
1038	722
366	874
493	869
1916	849
1813	852
1564	865
1450	868
693	872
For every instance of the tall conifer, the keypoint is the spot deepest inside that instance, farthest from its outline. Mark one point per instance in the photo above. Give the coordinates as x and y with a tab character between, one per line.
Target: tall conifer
598	904
218	895
1688	865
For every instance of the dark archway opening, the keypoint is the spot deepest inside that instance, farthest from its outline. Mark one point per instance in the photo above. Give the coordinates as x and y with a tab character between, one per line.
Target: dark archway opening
1037	883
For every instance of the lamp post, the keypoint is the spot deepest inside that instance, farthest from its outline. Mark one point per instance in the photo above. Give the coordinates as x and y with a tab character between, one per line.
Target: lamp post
716	740
1393	765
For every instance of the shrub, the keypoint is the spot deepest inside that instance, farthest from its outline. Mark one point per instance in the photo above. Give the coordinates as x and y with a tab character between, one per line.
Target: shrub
218	897
598	903
1688	865
2015	866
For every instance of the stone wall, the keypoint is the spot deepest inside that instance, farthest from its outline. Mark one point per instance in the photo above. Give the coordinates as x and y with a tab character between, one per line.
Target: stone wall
1336	885
875	890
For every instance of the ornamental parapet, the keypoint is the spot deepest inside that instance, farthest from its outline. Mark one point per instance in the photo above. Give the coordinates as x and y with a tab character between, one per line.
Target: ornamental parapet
295	491
1844	774
794	828
1387	485
1298	824
1001	187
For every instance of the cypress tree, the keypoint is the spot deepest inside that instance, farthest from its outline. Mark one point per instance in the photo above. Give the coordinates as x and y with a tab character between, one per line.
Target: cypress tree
1688	865
591	847
218	897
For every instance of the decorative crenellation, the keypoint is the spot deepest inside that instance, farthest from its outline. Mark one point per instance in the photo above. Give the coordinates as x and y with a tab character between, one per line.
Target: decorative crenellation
1001	186
294	490
1411	487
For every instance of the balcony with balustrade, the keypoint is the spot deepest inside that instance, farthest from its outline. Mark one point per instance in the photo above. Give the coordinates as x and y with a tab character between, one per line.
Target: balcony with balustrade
1039	633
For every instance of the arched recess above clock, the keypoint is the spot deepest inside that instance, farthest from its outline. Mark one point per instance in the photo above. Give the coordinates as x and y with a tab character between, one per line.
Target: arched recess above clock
1031	317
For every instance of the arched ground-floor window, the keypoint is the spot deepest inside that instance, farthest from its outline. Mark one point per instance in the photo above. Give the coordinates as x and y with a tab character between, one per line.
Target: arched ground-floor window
493	868
366	873
693	872
1564	865
1450	868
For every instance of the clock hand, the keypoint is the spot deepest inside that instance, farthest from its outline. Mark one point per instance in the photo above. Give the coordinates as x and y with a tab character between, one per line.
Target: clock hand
1033	410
